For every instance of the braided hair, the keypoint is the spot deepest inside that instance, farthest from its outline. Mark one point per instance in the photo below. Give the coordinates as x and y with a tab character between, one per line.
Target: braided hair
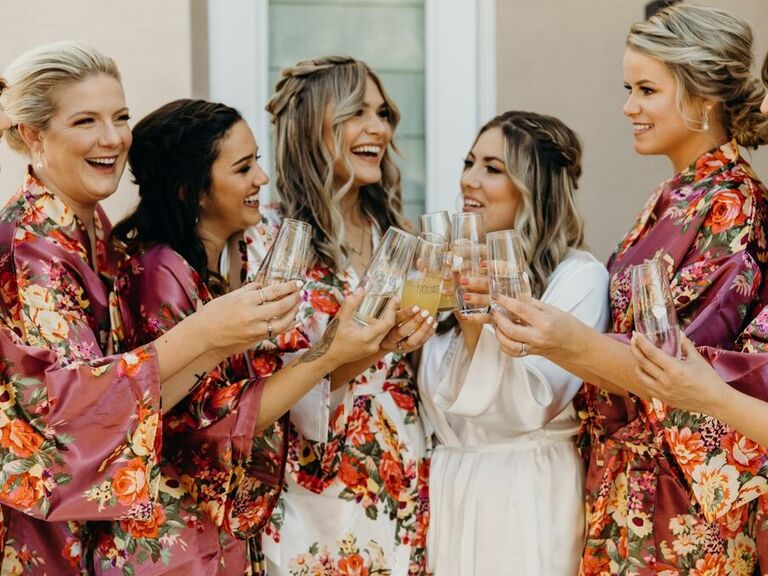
304	174
173	151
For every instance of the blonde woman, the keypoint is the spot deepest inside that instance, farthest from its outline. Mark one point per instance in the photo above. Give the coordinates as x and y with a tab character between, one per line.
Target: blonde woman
355	496
669	490
506	481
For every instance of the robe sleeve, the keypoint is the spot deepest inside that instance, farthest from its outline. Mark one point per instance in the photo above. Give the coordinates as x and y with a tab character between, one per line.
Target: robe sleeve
514	396
232	470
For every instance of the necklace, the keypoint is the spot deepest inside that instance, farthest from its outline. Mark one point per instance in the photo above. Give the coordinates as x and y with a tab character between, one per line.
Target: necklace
363	237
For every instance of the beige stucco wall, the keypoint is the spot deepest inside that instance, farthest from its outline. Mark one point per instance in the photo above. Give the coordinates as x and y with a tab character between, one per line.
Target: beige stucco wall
149	39
564	58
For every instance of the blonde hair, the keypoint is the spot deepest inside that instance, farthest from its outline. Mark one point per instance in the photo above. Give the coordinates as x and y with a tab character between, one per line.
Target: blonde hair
709	51
304	164
542	157
36	76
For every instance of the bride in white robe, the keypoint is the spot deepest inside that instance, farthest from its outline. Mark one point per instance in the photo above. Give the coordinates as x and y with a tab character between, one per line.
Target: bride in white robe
506	480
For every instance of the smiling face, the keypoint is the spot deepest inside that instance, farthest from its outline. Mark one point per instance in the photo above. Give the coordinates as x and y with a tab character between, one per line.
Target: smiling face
485	186
658	126
365	138
84	148
232	204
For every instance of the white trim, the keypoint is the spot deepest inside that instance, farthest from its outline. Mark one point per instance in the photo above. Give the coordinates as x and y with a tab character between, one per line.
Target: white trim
460	45
238	53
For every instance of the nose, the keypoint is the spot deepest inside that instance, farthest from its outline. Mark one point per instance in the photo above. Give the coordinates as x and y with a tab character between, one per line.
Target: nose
110	135
261	178
469	179
376	124
631	107
764	105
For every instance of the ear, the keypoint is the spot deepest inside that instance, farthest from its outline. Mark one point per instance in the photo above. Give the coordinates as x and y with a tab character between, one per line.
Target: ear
32	137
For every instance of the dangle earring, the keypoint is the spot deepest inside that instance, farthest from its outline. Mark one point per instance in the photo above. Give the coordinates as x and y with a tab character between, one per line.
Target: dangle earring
39	161
705	121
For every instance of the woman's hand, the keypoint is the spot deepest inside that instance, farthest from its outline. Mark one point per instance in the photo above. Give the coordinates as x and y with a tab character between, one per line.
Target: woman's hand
249	314
690	384
475	293
543	329
413	327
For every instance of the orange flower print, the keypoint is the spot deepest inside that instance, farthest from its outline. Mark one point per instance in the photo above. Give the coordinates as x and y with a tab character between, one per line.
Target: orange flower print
226	397
687	446
22	491
595	563
727	211
145	528
353	565
743	452
323	301
741	555
130	362
130	483
351	473
20	438
710	565
392	474
716	486
73	552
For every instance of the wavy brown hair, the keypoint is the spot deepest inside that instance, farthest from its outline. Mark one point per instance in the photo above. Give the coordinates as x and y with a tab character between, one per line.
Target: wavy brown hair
304	173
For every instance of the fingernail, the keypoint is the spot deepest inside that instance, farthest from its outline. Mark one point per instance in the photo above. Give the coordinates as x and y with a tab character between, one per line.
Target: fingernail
415	309
483	264
464	281
430	320
424	313
465	297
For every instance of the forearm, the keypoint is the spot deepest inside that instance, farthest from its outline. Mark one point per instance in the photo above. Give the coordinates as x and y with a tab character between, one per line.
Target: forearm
744	413
176	388
180	346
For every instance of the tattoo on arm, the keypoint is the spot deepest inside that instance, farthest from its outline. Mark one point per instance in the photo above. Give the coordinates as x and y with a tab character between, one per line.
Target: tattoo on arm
199	378
325	343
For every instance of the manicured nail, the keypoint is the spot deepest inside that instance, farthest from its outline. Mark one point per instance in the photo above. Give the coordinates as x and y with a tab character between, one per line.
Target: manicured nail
424	313
466	297
483	264
464	281
415	309
430	320
299	283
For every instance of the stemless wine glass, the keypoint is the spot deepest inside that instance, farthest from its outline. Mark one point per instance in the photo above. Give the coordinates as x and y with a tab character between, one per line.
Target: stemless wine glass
424	281
507	274
654	309
440	223
384	276
287	257
468	251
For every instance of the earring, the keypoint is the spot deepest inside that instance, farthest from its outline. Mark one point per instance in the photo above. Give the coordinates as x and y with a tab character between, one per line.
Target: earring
39	161
705	121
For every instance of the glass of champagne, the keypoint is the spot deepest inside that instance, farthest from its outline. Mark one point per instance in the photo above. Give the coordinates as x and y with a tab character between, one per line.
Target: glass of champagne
507	274
288	256
384	276
654	309
440	223
468	251
424	280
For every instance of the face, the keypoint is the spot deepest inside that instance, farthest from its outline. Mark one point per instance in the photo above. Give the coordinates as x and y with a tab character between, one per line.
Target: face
651	106
84	149
365	138
485	186
236	177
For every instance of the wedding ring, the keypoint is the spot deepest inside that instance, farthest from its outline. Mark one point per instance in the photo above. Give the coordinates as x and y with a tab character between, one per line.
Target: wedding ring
523	349
400	348
269	328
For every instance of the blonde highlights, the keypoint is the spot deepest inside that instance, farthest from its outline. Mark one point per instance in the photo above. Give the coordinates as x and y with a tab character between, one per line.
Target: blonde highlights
36	76
542	157
304	173
709	51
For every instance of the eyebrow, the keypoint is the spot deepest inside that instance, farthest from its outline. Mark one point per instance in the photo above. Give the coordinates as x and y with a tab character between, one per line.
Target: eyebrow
94	113
243	159
492	159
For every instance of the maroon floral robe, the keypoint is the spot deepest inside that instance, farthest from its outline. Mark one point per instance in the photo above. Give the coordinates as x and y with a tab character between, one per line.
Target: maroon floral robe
79	430
220	478
669	491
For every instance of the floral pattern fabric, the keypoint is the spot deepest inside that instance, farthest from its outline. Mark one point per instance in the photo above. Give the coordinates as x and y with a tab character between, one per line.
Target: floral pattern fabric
356	501
79	428
669	491
220	478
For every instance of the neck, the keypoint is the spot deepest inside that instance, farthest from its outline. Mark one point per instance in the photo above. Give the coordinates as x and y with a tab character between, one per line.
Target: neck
694	147
213	240
350	208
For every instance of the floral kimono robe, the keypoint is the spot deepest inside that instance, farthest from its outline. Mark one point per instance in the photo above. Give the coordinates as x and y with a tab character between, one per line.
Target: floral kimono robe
356	496
78	429
219	478
668	491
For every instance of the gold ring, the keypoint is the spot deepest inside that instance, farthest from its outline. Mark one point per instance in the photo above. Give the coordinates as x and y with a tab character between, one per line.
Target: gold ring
269	328
523	349
400	348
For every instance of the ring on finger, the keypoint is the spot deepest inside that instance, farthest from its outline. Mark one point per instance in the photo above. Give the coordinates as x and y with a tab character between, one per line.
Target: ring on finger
523	349
269	328
400	347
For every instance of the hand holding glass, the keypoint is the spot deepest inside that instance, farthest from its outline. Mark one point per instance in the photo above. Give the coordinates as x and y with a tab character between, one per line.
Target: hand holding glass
440	223
507	274
468	251
424	281
654	308
288	256
384	276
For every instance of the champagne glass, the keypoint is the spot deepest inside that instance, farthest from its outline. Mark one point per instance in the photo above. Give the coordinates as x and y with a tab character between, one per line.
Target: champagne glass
440	223
507	274
424	280
468	251
288	256
384	276
654	309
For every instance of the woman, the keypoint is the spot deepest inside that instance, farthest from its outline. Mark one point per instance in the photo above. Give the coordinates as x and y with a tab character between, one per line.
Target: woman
505	481
670	491
196	165
80	430
355	496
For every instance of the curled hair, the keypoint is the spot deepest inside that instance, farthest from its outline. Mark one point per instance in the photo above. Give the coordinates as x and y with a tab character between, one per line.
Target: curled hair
171	157
764	71
709	51
35	78
304	172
